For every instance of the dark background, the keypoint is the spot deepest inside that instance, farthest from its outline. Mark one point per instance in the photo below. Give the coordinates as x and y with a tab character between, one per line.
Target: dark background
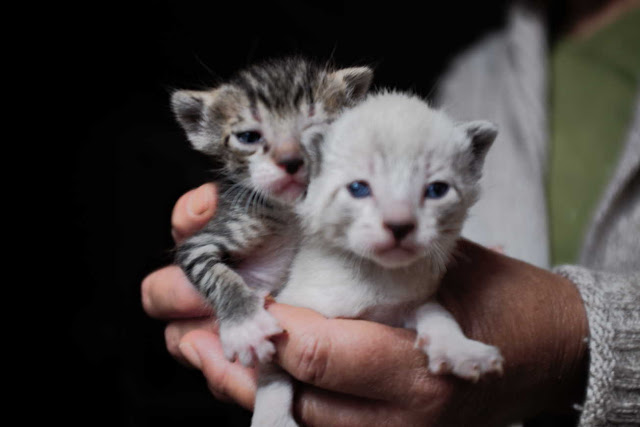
129	162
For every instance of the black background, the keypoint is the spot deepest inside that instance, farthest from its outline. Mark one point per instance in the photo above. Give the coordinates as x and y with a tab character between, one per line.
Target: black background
114	65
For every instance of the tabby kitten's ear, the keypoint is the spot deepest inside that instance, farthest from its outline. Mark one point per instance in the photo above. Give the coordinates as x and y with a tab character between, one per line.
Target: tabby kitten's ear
481	135
356	81
188	107
193	110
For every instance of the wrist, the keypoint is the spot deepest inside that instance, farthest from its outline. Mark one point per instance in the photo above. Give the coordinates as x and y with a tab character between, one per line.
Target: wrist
537	320
567	383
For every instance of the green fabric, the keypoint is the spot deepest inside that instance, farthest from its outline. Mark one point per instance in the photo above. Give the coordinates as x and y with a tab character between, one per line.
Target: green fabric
593	88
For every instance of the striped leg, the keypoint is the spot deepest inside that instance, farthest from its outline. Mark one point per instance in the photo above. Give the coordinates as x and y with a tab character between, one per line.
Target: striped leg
245	326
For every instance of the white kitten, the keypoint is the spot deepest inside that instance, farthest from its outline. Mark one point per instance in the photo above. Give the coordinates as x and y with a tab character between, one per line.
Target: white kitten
381	219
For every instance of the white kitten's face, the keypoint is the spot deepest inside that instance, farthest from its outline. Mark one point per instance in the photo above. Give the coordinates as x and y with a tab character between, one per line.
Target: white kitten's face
396	183
397	215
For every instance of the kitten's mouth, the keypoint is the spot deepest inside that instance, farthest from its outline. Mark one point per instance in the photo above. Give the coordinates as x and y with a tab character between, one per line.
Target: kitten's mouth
288	189
395	255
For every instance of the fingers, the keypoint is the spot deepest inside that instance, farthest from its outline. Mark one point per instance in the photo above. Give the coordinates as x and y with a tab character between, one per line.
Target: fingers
202	349
355	357
315	407
176	331
168	294
192	211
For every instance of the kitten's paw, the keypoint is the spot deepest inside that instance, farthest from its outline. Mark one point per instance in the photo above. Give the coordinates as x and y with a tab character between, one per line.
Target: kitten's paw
465	358
273	419
248	340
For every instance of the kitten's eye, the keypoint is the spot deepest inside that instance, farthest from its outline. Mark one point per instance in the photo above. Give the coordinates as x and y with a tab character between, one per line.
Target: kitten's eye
250	137
359	189
436	190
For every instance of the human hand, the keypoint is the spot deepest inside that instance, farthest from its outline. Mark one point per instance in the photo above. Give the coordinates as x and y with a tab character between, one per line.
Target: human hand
355	372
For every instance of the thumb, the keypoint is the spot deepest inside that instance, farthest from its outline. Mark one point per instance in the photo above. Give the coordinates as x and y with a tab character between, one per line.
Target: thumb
357	357
192	211
225	379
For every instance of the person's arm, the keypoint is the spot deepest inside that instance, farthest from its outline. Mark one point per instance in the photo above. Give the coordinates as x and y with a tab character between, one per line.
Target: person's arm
353	372
613	308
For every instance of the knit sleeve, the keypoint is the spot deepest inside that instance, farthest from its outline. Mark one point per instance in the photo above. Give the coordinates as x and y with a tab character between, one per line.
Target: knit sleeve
612	303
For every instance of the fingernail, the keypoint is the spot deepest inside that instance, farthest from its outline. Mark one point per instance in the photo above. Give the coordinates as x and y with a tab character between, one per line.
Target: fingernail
200	201
190	354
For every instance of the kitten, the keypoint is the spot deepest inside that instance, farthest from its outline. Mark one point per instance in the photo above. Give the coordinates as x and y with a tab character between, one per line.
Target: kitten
381	220
264	126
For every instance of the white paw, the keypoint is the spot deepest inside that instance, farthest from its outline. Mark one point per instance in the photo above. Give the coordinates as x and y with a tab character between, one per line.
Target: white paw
248	340
465	358
273	419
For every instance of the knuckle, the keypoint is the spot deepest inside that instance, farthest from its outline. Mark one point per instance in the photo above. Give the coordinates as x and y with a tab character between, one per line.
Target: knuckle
180	302
167	293
218	381
162	294
302	409
421	390
185	300
172	336
312	358
179	217
145	292
428	391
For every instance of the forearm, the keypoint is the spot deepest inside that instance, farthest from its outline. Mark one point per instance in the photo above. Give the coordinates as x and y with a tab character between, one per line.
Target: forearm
612	305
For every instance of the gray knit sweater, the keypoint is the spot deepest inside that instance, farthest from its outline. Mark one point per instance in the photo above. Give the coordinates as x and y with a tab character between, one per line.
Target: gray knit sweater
503	78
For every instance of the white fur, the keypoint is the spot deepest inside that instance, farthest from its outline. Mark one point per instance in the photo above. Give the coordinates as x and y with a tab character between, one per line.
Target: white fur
326	281
248	340
441	338
350	264
274	398
266	270
398	145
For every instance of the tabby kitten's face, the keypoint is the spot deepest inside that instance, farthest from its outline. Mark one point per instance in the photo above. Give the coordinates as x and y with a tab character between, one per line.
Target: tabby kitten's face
265	125
396	181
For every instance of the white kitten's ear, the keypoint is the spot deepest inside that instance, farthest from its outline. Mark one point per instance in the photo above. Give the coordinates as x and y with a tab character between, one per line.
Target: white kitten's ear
356	80
481	135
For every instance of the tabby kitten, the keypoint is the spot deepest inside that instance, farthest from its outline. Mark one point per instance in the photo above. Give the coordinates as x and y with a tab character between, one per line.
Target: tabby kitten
264	126
380	222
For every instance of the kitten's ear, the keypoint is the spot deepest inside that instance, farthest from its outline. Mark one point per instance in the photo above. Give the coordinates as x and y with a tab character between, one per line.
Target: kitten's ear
189	108
202	113
356	80
481	135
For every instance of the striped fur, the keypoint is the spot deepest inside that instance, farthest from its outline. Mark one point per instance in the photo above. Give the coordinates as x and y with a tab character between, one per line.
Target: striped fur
208	257
289	103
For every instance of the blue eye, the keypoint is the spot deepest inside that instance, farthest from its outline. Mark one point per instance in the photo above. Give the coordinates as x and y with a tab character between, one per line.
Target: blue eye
250	137
436	190
359	189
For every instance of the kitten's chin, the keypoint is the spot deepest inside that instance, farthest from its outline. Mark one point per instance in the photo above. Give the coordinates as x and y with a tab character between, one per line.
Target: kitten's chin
288	192
396	257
